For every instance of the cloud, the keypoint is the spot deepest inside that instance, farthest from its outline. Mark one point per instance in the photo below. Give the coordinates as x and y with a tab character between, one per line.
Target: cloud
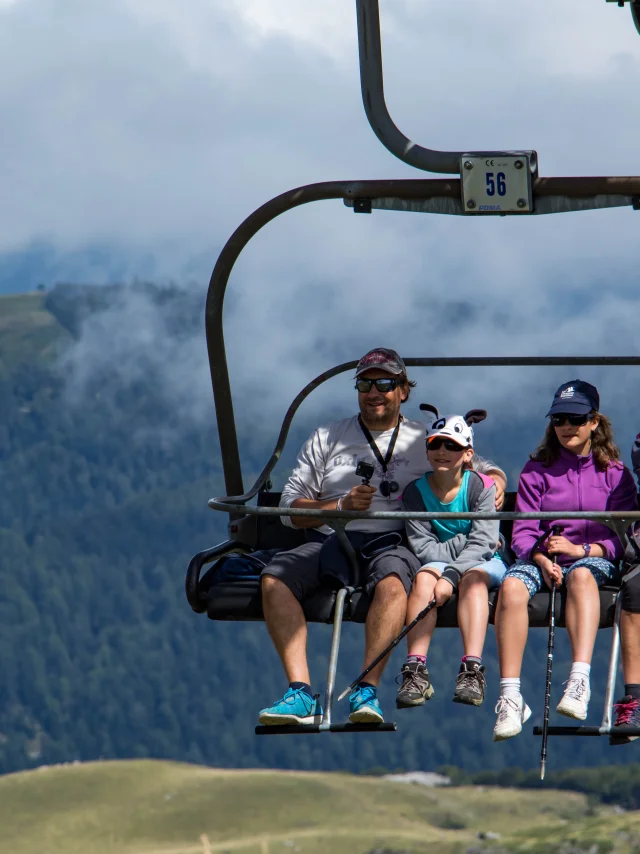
153	129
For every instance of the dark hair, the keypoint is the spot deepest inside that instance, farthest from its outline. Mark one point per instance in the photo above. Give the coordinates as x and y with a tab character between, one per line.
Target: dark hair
604	449
410	384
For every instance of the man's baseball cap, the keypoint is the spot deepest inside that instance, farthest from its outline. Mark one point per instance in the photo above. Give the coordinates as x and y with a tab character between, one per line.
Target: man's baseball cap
382	359
575	398
452	427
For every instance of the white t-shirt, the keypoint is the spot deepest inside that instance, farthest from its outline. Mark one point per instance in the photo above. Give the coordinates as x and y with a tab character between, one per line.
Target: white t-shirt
326	468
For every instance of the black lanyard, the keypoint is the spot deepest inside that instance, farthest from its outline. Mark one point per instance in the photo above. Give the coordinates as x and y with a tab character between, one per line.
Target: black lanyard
384	462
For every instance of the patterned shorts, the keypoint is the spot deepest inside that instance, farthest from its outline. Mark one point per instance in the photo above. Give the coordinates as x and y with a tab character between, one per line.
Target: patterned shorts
529	573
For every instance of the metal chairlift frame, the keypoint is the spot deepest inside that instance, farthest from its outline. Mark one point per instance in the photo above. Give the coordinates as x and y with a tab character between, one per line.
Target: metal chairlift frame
634	5
428	195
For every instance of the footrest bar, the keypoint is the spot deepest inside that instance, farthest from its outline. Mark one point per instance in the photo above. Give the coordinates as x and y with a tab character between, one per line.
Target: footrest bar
571	730
588	730
317	729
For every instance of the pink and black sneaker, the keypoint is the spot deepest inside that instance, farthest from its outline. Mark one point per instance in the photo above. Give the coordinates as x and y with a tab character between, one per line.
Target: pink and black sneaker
626	713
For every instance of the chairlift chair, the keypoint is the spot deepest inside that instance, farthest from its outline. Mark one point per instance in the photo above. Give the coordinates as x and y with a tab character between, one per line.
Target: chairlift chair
488	183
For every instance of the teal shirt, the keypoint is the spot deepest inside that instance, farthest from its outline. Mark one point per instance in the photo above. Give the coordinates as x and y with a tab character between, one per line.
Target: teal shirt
445	529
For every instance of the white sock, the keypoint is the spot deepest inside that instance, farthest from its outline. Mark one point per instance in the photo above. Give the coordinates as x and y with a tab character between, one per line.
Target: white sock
580	668
510	688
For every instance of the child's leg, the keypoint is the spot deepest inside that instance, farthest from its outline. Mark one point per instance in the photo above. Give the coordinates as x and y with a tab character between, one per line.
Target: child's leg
522	580
415	687
582	612
583	618
473	610
512	623
419	638
473	618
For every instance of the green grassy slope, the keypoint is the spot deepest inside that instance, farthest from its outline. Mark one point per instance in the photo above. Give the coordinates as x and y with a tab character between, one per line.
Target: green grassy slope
149	807
28	332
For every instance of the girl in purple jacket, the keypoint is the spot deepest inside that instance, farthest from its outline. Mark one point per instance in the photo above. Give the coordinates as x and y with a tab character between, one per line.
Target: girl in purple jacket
576	467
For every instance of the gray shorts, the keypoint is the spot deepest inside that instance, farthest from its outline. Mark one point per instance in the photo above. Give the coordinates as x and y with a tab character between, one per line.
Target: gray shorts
299	569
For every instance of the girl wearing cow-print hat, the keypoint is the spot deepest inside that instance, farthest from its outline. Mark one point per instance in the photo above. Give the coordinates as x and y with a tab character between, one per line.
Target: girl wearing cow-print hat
455	554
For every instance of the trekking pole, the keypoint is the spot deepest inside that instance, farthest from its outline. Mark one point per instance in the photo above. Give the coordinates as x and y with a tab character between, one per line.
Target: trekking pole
394	643
556	530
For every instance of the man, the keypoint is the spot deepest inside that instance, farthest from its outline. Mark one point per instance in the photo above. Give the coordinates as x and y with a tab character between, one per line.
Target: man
627	710
325	479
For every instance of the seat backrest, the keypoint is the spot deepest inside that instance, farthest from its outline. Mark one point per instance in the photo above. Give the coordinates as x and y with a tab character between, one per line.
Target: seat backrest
266	532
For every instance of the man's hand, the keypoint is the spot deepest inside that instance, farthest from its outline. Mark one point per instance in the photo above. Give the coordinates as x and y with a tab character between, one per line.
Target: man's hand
558	545
501	485
442	592
550	571
358	498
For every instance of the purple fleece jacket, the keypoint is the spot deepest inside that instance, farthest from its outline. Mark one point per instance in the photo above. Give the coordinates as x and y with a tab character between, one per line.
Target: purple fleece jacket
571	483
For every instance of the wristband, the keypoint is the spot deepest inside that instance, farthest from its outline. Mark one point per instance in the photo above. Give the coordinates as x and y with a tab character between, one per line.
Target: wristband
339	504
587	549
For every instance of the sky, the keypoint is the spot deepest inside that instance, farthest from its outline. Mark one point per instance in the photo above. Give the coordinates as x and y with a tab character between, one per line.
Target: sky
138	134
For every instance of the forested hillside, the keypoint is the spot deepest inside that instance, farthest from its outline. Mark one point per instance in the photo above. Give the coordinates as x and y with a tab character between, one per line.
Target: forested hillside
105	477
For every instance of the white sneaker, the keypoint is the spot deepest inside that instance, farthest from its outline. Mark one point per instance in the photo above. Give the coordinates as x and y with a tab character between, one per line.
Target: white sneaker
512	714
575	700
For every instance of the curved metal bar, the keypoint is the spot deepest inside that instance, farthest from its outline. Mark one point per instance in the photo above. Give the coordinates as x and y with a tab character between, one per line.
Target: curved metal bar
196	563
455	362
413	189
372	86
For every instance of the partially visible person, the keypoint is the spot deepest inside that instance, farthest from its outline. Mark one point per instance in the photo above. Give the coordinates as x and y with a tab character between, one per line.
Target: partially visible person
454	554
627	710
576	467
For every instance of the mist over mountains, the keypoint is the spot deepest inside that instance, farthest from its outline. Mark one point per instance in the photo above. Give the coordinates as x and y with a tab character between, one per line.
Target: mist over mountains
108	454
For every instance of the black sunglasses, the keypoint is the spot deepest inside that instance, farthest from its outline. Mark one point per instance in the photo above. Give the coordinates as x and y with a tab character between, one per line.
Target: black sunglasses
384	385
561	419
449	444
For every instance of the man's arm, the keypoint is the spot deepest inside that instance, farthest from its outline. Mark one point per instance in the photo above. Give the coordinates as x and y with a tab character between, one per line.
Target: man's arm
358	498
305	485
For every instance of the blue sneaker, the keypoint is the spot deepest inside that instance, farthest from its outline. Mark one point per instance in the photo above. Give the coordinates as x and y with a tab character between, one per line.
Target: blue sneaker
296	707
365	708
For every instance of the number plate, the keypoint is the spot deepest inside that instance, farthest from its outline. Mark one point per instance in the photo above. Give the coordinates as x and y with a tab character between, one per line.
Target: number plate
497	185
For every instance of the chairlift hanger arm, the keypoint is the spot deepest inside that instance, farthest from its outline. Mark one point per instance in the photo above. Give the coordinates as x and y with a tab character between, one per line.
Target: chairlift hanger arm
634	5
375	106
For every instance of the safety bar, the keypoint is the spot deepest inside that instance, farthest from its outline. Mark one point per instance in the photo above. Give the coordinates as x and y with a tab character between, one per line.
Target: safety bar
616	520
596	191
375	107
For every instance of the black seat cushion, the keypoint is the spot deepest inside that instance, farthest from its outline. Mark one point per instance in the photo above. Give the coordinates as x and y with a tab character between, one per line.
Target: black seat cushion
240	600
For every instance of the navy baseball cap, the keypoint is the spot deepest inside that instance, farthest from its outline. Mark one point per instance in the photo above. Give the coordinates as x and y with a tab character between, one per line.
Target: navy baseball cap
383	359
575	398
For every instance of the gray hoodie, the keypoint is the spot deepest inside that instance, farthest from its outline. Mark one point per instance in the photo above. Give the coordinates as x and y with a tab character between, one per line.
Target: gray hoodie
462	552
